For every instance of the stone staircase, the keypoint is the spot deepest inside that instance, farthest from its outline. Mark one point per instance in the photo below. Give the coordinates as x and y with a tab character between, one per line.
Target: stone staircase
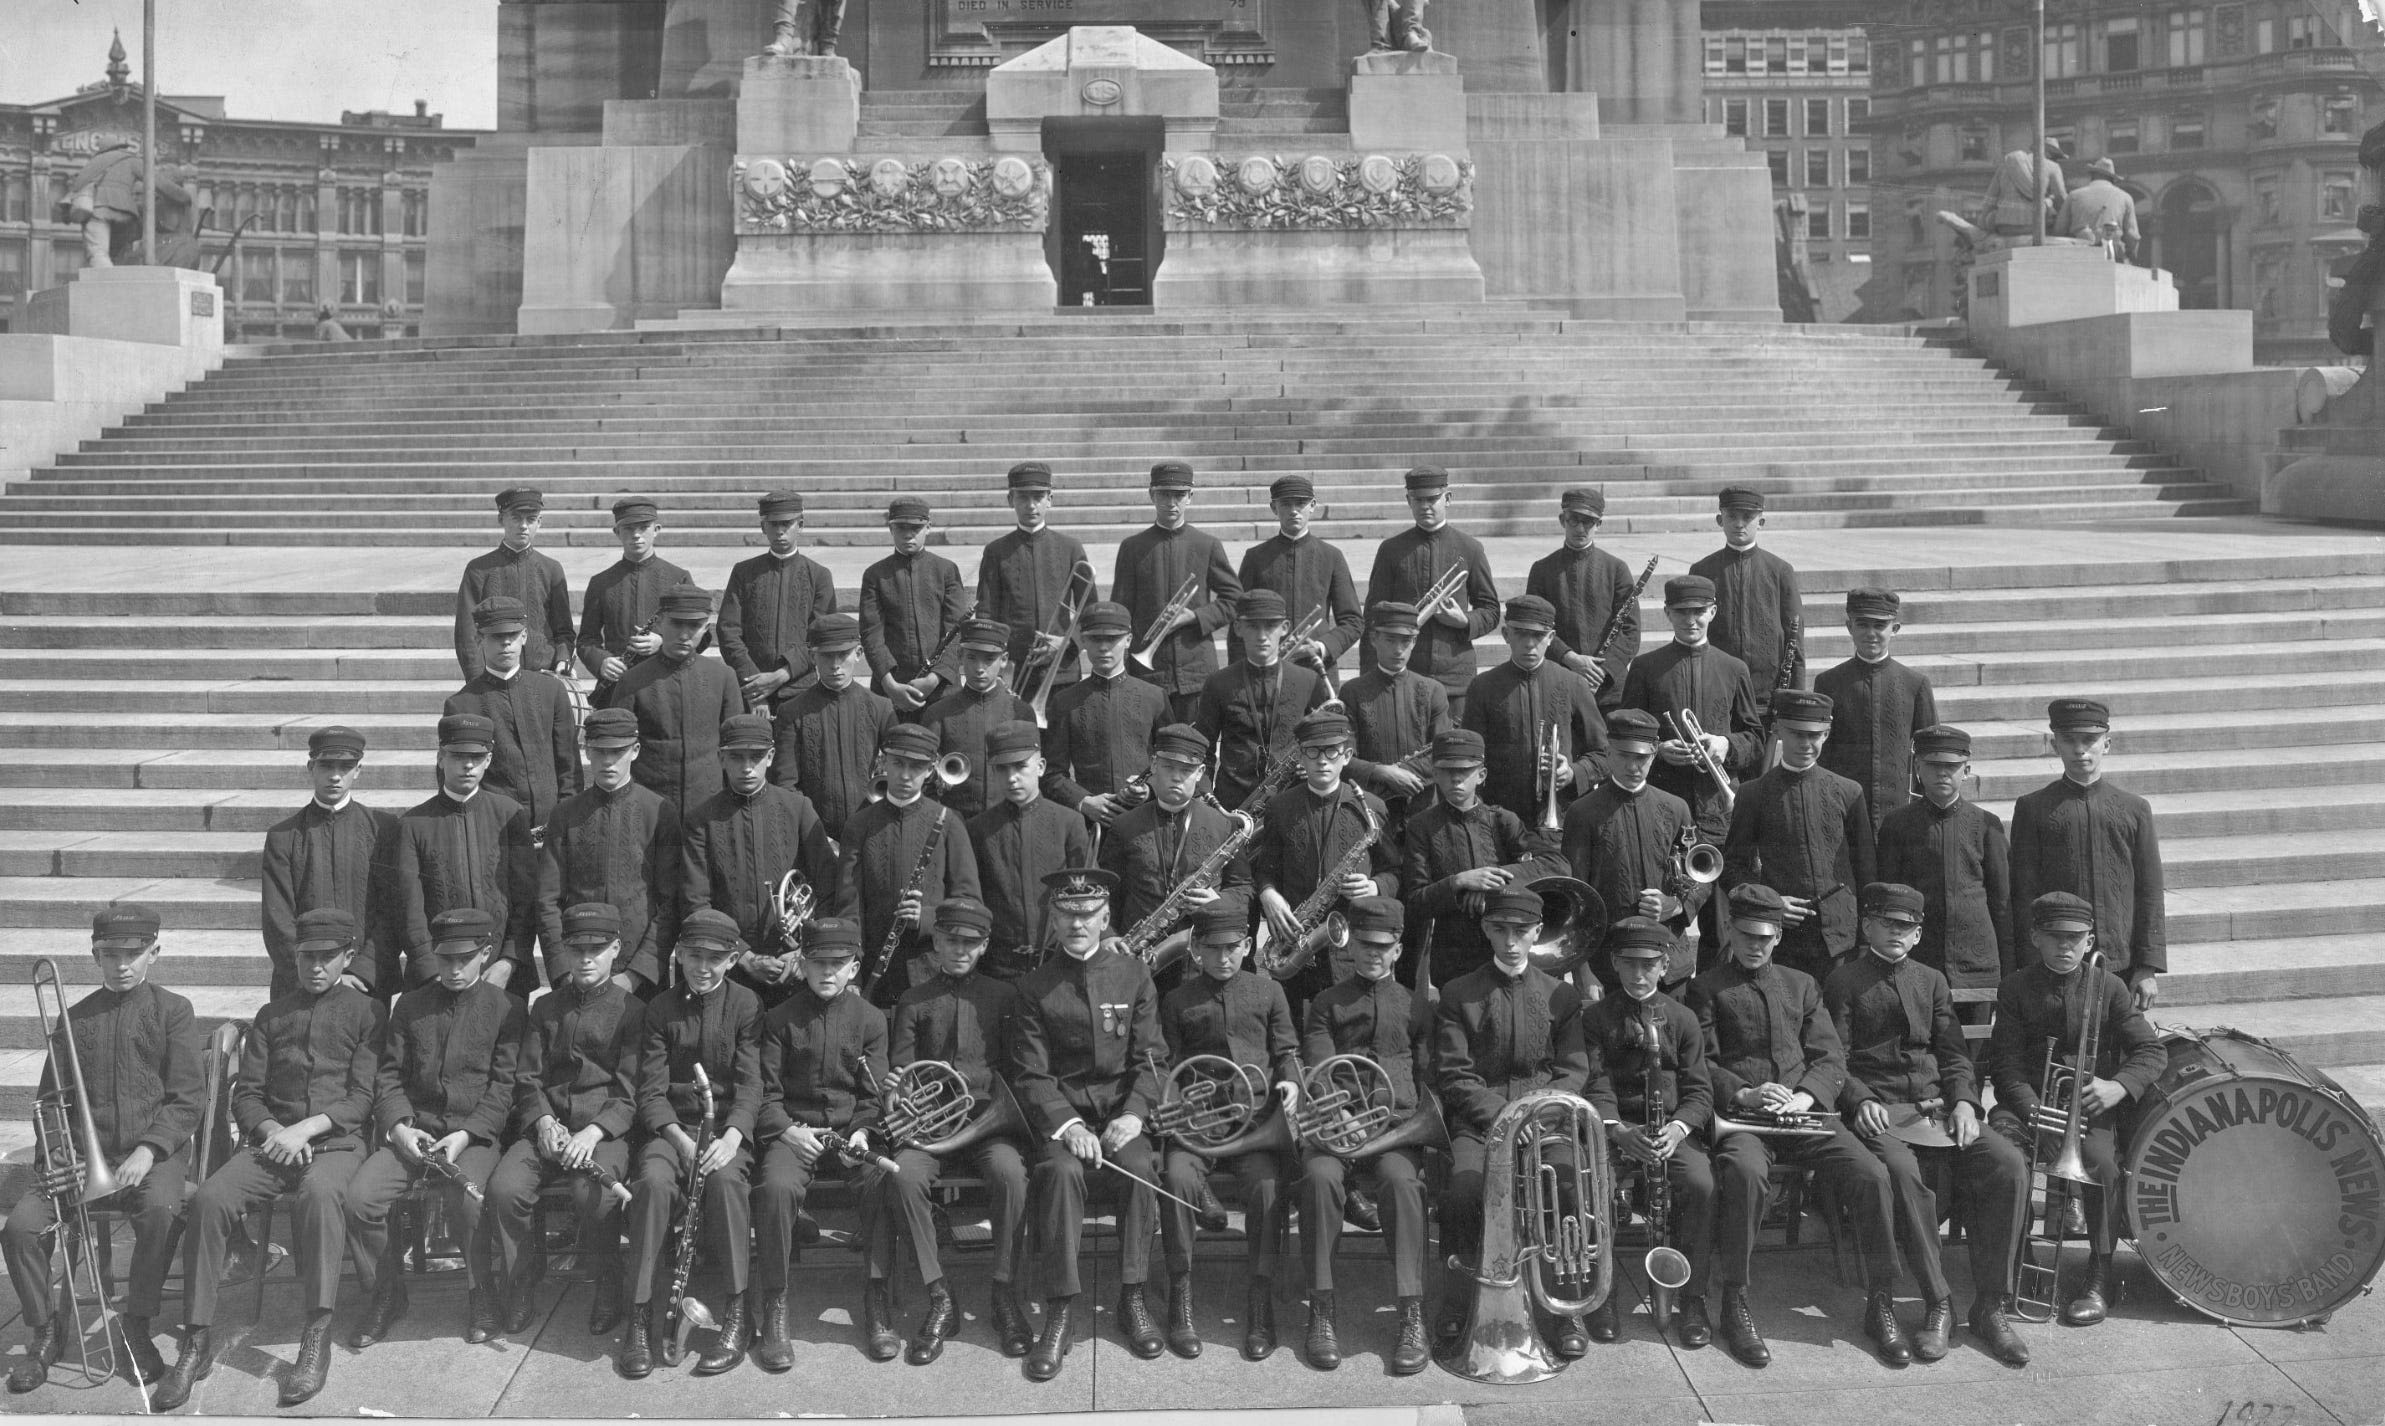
402	442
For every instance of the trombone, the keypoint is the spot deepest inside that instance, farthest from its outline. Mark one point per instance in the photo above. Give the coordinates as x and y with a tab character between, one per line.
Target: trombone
2062	1118
75	1173
1158	630
1064	622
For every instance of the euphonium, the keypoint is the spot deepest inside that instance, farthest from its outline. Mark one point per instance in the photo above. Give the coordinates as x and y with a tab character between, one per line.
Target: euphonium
75	1174
927	1100
1573	923
1536	1252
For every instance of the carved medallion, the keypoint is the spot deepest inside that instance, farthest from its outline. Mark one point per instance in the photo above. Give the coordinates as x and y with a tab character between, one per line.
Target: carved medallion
1440	173
765	179
1013	178
1378	174
1318	175
1102	93
889	194
889	177
1319	191
1256	174
1196	175
828	178
949	177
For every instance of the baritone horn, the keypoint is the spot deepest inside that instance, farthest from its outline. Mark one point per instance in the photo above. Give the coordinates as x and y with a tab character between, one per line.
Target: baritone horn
75	1173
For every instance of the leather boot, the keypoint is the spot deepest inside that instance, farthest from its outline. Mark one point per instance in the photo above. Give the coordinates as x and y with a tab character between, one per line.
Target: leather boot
389	1304
1410	1353
773	1351
1051	1347
1604	1323
604	1300
521	1304
1993	1328
141	1361
313	1367
2093	1301
1361	1211
879	1341
1937	1331
728	1348
1212	1215
1696	1330
486	1319
637	1345
49	1340
1567	1339
936	1323
1134	1319
191	1366
1184	1339
1324	1345
1258	1329
1880	1324
1739	1332
1010	1321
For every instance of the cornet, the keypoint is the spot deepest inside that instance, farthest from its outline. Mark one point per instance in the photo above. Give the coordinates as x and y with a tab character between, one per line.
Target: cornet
1439	592
1551	820
952	770
1158	630
1687	729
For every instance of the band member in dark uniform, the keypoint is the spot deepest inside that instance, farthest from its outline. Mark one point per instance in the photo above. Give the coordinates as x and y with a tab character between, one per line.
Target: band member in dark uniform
1587	585
1691	675
909	601
1757	607
1913	1100
1248	711
1152	565
1457	852
1308	570
769	604
1102	725
1395	712
681	699
330	853
617	844
1876	705
517	571
1954	852
1802	830
1155	847
535	759
1313	828
828	733
1019	840
2047	1003
1623	838
1088	1036
617	616
462	846
892	872
1369	1013
1514	705
1026	574
2085	834
1404	570
963	717
741	841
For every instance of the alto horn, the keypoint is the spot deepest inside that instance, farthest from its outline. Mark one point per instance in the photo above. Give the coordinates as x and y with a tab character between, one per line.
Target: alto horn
1207	1100
999	1119
1573	923
926	1100
1345	1101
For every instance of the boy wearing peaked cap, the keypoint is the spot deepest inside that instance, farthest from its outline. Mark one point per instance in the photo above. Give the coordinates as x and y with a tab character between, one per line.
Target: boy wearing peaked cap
1019	840
1102	726
1457	853
963	718
514	570
1759	617
617	615
1311	846
464	846
1515	705
1030	576
1876	705
535	758
1152	849
1691	679
1153	565
739	844
1802	830
1624	839
2084	834
1953	851
1395	712
331	852
911	601
770	602
137	1049
828	733
902	855
1248	711
1308	570
1407	564
681	699
617	844
1586	585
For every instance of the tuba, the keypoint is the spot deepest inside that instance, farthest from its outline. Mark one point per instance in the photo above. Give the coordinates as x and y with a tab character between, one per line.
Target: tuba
1536	1251
1573	923
75	1173
1346	1108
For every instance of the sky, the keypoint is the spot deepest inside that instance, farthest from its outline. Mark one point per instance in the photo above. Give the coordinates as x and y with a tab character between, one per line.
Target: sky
270	59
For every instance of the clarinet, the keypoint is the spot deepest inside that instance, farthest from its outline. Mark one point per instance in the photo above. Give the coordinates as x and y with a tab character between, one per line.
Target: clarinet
603	1177
1787	679
444	1169
1606	636
691	1223
628	662
894	933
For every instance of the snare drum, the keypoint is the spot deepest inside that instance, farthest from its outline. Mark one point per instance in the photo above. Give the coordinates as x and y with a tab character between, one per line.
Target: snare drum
2256	1186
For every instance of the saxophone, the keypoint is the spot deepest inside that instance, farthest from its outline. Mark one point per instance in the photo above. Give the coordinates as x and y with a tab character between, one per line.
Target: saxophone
1149	940
1317	927
1666	1267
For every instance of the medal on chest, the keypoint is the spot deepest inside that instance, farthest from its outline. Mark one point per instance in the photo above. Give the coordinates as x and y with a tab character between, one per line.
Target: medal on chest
1113	1018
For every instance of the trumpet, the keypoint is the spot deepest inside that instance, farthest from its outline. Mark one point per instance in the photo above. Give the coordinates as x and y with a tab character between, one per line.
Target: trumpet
1157	631
1687	729
1443	588
952	770
2061	1117
75	1174
791	908
1779	1123
1551	821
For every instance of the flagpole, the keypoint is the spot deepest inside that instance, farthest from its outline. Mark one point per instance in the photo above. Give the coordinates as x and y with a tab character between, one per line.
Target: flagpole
149	154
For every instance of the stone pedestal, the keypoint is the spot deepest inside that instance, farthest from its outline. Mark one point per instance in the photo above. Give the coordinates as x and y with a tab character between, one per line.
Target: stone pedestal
1101	72
2021	287
1391	268
801	103
2335	469
618	233
168	306
955	273
1407	103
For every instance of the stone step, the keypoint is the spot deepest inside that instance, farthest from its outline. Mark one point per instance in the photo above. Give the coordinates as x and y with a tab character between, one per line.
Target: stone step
2159	776
62	812
2319	1033
263	699
2229	860
232	961
20	1026
2076	668
2277	909
2131	699
131	854
48	906
2288	968
2365	1083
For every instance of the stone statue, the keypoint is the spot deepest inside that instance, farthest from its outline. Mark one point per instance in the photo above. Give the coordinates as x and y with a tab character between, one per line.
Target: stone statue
105	197
792	32
1397	25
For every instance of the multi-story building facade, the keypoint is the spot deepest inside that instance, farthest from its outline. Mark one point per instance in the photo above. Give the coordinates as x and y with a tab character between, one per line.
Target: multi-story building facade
1794	77
335	214
2237	125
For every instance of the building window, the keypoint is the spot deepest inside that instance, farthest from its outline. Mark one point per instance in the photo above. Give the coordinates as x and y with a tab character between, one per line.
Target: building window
2335	196
2186	131
66	259
1776	54
1778	161
256	276
1735	118
1859	55
1920	63
1916	231
1714	54
2301	31
2265	199
2261	119
360	278
16	198
2061	50
12	268
2120	45
298	277
1840	55
2264	36
1817	117
2340	114
1817	223
2185	29
414	269
2120	136
1859	113
1975	144
1735	55
1859	164
1776	118
1859	221
417	205
1817	168
1945	51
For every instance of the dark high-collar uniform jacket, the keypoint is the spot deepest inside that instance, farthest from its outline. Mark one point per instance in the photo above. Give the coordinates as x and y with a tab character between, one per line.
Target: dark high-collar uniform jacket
1152	565
1756	608
448	1061
1767	1027
1394	718
308	1055
579	1060
1016	848
317	858
1716	688
827	747
1306	837
1248	714
525	574
2035	1008
1021	579
881	857
1508	706
2095	842
622	600
962	720
1617	1029
723	1032
969	1022
620	847
1243	1018
1622	843
1152	849
1308	572
1498	1038
736	849
1957	858
1903	1044
812	1063
476	853
142	1076
1803	834
536	758
1375	1018
765	612
1100	735
1088	1036
908	604
1405	567
680	704
1587	586
1439	843
1875	709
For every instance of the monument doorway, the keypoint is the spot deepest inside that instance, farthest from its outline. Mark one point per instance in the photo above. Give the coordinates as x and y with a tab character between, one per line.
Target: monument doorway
1105	239
2193	228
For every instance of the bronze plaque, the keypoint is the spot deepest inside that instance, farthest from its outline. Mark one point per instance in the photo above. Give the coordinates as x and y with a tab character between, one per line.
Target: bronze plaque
986	32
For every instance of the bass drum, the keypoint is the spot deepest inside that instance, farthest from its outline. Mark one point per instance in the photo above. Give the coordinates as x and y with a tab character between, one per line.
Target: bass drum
2256	1186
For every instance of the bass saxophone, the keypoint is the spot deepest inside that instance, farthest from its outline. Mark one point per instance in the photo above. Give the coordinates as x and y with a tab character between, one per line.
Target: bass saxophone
1285	957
